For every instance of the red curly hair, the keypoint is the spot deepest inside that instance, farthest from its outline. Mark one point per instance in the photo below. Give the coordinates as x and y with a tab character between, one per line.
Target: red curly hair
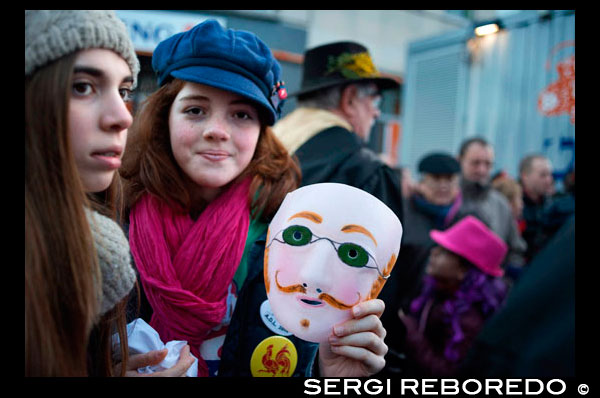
149	165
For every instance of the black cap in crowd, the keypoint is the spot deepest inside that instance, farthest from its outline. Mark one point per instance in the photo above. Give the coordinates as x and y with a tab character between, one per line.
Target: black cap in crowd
439	163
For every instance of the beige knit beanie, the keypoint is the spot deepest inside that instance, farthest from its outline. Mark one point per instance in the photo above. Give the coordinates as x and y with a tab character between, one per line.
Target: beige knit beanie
51	34
114	258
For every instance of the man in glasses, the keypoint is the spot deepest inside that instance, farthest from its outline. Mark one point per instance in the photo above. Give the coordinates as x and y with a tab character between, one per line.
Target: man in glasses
338	103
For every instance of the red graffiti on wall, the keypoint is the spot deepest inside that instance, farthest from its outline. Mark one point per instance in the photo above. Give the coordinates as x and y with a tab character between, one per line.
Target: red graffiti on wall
559	96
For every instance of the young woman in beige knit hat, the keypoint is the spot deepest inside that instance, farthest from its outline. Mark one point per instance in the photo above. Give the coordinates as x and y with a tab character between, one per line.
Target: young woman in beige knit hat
80	70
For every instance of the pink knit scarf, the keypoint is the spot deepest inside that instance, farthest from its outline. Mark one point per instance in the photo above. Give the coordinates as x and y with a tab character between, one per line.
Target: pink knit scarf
186	266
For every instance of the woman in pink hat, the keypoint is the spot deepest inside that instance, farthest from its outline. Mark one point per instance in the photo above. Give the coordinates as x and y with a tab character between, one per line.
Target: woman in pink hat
461	290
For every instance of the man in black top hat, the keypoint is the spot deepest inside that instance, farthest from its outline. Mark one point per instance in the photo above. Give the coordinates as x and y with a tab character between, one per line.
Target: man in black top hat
337	106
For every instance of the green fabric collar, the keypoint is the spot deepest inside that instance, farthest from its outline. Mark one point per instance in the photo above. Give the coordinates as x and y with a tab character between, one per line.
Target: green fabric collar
255	230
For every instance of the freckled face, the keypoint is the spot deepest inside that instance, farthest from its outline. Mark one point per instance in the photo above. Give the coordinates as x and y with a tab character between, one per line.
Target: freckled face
213	135
323	257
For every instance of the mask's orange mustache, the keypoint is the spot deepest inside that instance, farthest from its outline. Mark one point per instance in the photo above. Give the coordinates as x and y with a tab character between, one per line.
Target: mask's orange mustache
336	303
289	289
323	296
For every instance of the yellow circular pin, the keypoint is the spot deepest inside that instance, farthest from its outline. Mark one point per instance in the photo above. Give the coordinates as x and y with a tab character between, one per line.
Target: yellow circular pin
275	356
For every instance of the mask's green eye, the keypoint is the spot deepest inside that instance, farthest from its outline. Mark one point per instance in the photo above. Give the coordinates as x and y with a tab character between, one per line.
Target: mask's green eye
297	235
353	255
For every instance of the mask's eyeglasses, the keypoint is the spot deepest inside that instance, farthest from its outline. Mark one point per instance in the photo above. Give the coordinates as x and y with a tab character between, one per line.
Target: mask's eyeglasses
350	253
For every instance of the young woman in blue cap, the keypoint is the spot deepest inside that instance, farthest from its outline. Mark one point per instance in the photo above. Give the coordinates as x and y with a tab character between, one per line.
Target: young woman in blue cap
204	175
80	69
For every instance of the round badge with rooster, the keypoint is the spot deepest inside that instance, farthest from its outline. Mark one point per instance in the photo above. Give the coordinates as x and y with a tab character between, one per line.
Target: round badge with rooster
275	356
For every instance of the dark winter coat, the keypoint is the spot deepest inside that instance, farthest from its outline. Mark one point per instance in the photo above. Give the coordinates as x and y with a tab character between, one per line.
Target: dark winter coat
543	219
339	155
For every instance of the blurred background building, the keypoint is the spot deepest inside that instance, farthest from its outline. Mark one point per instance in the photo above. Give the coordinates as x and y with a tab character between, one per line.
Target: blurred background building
514	86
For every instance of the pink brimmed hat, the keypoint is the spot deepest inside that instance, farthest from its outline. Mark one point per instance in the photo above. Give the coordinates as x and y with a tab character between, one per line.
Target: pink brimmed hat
471	239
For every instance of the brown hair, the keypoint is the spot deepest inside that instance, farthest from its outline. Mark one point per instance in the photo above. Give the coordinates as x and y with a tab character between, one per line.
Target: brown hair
508	187
61	266
100	353
150	167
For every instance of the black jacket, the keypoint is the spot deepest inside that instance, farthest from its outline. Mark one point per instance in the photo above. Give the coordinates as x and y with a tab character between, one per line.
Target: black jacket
542	220
338	155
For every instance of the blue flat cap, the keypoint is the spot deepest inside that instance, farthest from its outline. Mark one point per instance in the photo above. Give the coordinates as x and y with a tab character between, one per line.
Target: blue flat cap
228	59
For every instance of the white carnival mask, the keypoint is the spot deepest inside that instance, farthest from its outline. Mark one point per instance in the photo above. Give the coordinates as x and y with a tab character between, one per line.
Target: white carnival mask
329	247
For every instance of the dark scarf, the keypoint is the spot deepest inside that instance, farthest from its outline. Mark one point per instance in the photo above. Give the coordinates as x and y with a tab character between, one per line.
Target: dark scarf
441	214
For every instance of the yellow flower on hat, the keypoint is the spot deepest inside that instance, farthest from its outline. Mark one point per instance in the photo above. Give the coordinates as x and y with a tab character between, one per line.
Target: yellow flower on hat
353	66
363	65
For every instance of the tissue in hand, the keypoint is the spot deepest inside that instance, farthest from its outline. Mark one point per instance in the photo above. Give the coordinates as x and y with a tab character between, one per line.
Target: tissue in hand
142	338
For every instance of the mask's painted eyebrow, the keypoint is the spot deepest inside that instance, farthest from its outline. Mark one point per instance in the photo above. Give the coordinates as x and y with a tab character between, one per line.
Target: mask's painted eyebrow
98	73
357	228
309	215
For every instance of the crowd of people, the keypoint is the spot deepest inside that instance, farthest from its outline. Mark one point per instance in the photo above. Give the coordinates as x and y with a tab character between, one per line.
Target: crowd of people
162	214
525	215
